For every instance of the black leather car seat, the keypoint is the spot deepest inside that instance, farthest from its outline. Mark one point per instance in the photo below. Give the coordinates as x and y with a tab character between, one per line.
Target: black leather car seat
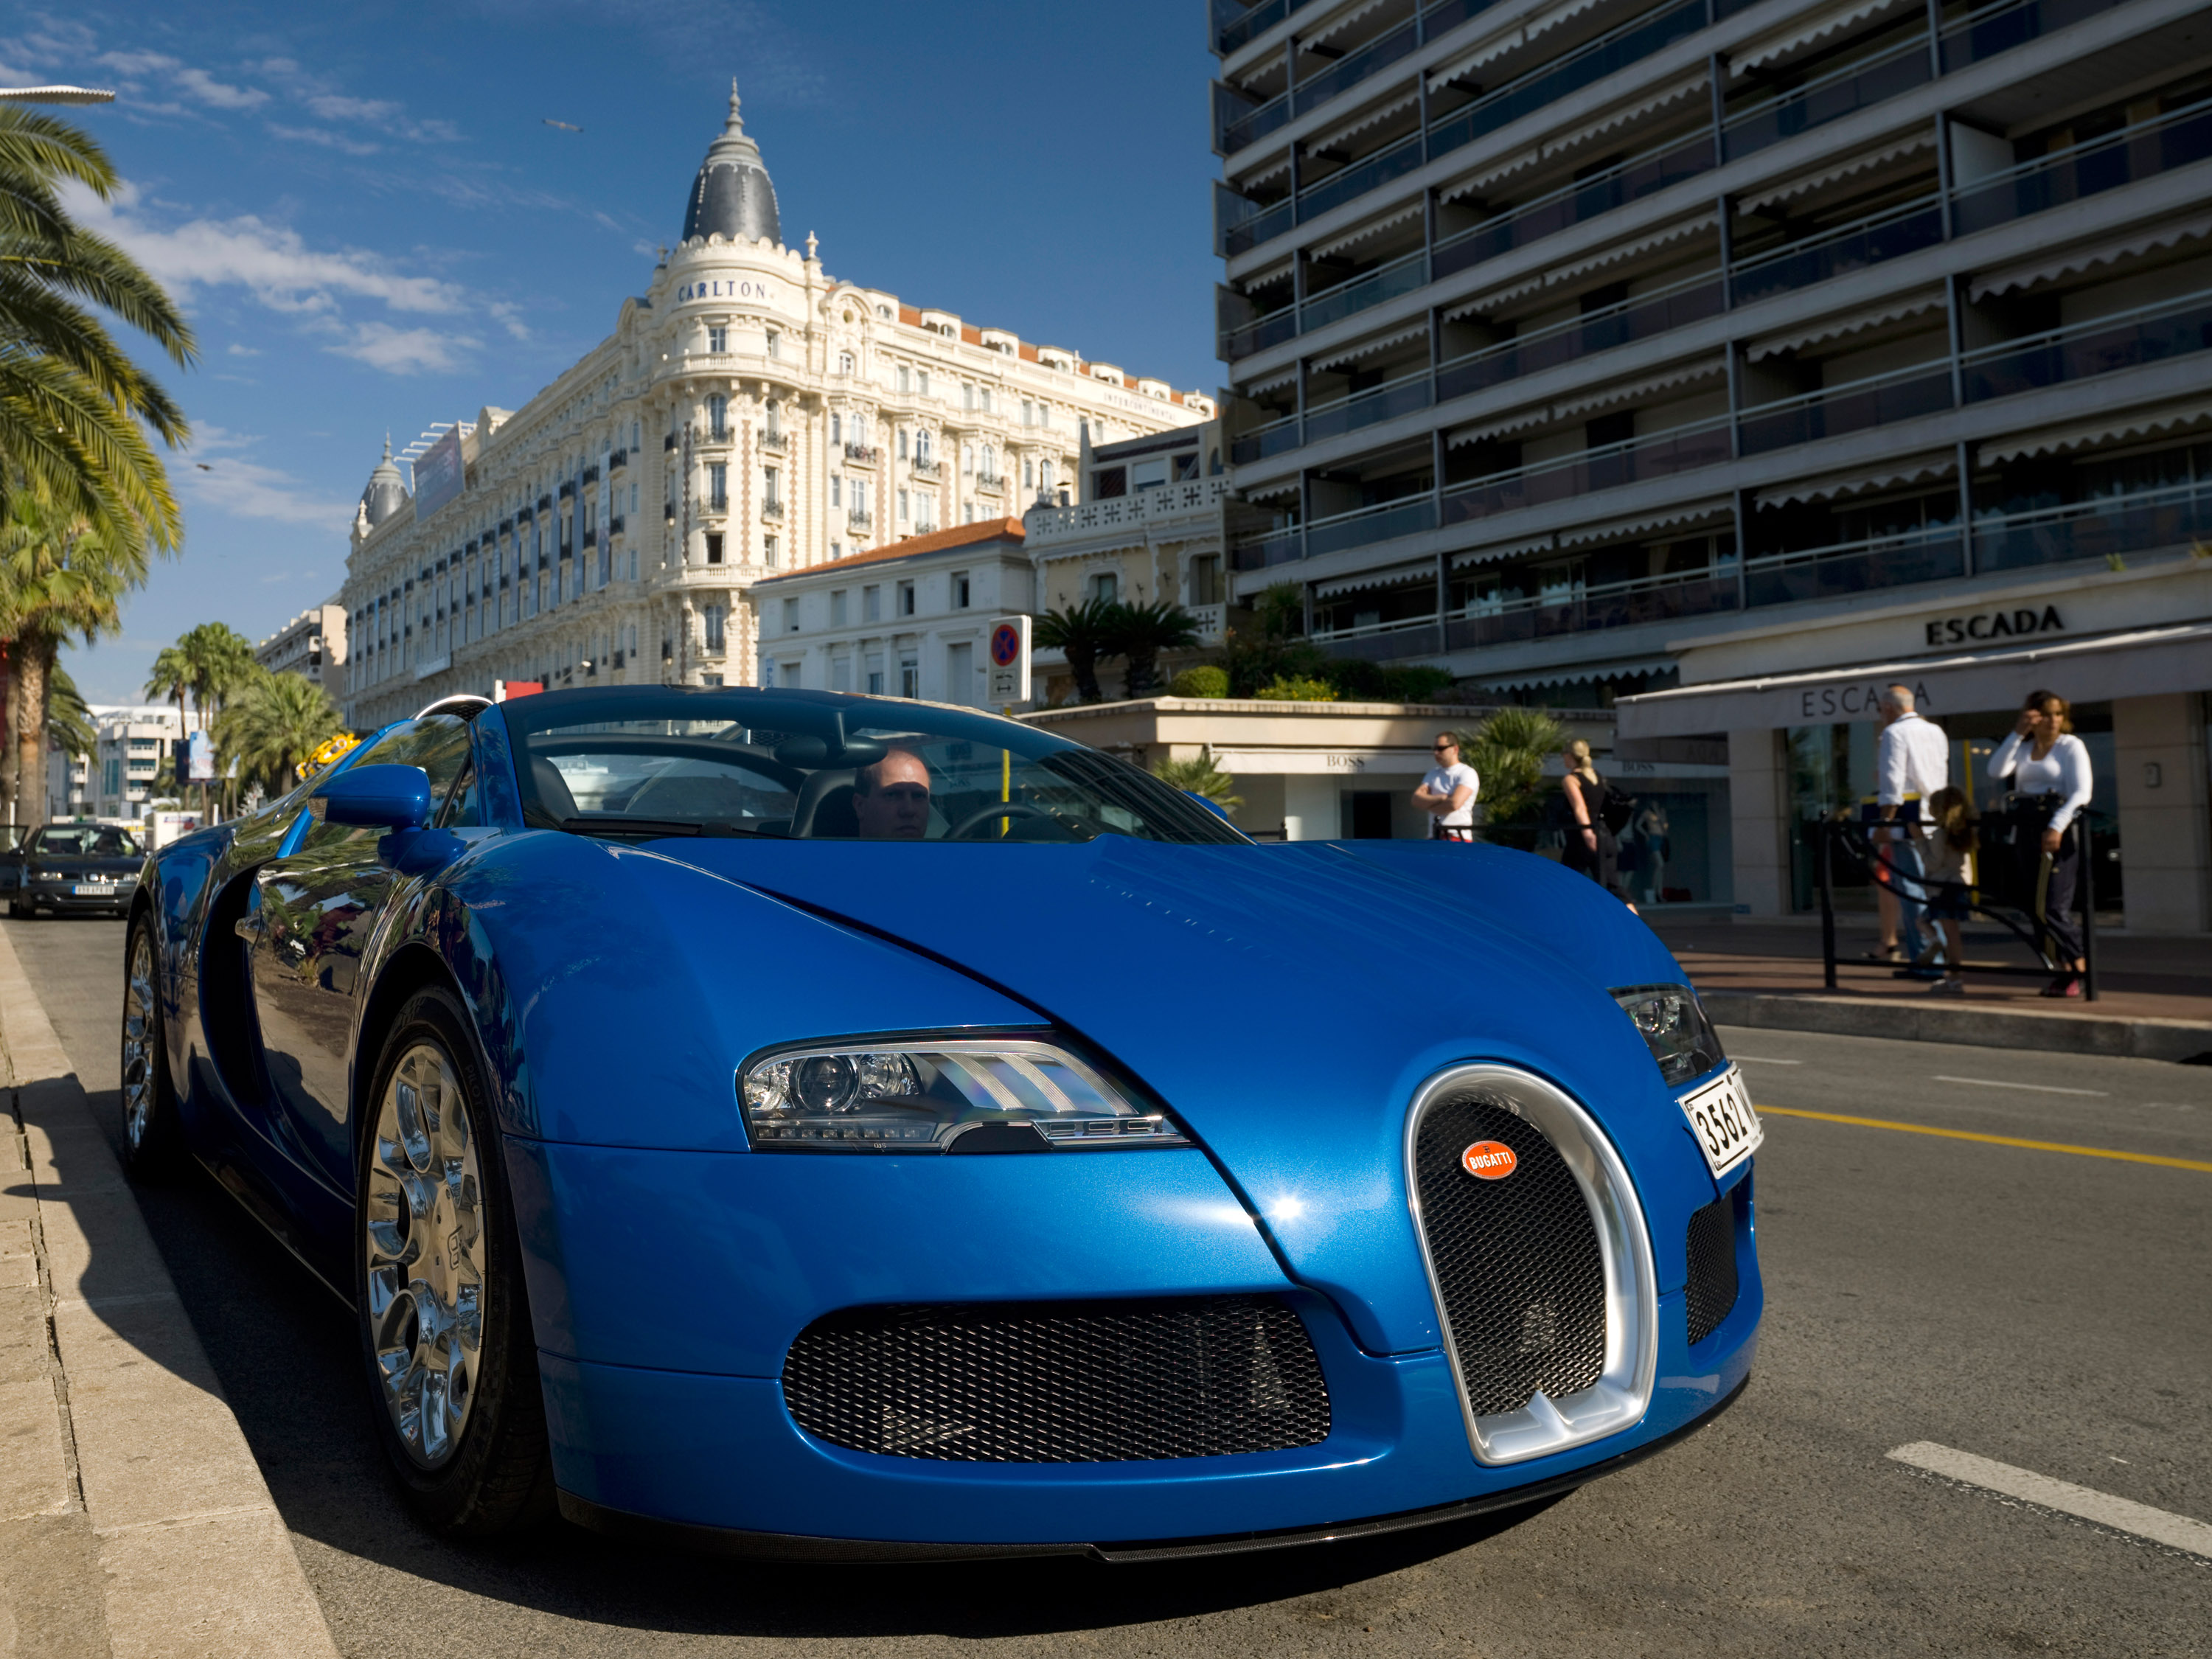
824	811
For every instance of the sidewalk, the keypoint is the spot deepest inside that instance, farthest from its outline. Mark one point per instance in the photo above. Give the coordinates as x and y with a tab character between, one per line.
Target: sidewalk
133	1519
2154	991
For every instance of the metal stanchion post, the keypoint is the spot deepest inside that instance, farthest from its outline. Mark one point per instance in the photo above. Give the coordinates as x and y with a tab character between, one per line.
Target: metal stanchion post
2088	908
1828	832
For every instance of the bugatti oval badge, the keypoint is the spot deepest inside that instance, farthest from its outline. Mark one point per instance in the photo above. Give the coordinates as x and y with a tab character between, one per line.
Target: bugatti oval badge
1488	1160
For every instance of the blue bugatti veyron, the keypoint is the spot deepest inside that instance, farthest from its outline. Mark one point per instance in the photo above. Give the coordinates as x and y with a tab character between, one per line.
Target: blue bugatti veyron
832	1126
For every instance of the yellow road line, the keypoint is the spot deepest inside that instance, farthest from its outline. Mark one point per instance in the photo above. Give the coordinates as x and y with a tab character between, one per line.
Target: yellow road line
1990	1140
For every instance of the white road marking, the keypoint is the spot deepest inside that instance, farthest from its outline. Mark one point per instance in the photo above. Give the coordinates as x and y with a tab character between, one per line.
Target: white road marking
1766	1059
2120	1514
2036	1088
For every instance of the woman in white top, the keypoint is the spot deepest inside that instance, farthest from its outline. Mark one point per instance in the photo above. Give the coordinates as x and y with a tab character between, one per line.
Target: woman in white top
2042	757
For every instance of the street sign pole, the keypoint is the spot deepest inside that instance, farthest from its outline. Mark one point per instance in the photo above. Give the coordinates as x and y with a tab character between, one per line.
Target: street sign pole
1009	660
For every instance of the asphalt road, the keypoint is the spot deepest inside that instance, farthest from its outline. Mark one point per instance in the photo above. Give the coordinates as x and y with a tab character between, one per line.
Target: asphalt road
2047	1310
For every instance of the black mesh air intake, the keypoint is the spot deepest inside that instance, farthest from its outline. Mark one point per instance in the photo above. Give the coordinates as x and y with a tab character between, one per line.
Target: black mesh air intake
1712	1267
1517	1263
1061	1381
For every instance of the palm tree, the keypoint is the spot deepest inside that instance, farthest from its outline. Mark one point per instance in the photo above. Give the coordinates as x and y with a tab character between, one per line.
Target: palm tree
1141	632
1508	752
205	665
69	720
1085	633
1200	777
272	724
59	578
74	410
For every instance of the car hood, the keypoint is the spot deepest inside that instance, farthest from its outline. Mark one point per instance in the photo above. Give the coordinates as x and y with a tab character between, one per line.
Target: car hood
1286	1001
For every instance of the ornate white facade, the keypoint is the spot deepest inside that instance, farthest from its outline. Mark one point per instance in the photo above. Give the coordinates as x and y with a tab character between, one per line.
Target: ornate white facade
749	414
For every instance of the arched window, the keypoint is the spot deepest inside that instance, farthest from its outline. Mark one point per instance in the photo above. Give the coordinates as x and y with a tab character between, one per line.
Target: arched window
990	466
718	416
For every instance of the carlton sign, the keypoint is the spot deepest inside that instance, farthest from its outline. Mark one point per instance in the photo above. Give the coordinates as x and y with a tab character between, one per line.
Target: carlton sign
738	288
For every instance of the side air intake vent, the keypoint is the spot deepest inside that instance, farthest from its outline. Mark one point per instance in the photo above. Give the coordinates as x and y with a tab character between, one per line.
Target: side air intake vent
1713	1289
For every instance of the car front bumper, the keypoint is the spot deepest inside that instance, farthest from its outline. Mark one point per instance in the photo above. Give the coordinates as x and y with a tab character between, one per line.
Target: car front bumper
665	1288
57	896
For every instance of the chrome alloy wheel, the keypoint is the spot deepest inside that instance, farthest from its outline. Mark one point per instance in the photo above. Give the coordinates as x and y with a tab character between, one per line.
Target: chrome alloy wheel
424	1247
141	1032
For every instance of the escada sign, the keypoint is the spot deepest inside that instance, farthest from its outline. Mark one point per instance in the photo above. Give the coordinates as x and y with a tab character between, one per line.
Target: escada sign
1994	625
1854	701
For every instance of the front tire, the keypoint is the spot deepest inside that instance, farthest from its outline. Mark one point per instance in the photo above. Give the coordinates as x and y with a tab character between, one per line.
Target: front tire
153	1133
446	1340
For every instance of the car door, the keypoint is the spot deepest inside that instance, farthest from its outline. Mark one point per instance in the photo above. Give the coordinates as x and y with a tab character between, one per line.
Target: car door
309	920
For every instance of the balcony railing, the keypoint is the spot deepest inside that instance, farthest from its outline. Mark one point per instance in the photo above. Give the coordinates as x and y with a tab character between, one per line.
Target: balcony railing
2090	168
2009	23
866	454
923	467
1870	241
1576	203
1606	604
858	519
774	441
2115	527
992	482
1843	91
1852	406
1925	555
771	508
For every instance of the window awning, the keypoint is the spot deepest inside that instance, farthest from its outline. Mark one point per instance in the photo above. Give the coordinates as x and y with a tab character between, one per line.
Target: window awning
1282	489
1360	123
1860	481
1622	529
1682	230
1558	15
2144	662
1621	114
1501	551
1808	31
1867	161
2049	267
1402	576
1275	382
1373	347
1488	51
1337	25
1498	426
1475	183
1576	674
2105	429
1851	322
1279	169
1616	392
1389	222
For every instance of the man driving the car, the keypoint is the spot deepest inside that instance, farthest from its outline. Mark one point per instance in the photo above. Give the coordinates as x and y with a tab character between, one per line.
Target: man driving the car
890	799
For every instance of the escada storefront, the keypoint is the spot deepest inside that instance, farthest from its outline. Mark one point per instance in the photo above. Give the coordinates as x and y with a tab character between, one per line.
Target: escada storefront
1796	703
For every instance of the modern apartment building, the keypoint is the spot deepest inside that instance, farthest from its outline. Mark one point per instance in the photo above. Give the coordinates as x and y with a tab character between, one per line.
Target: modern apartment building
1657	352
313	644
750	415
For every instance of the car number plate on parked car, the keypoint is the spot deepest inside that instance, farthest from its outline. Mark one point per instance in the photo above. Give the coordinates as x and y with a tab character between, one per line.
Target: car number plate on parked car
1720	1117
94	889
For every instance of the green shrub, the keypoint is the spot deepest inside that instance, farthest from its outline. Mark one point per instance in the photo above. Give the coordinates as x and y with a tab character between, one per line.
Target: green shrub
1296	688
1201	777
1207	680
1416	682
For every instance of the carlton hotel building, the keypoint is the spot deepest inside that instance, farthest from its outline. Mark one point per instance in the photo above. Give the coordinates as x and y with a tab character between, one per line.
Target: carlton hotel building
1715	362
749	414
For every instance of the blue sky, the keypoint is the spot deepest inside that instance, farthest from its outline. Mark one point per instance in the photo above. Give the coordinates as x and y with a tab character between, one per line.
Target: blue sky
372	227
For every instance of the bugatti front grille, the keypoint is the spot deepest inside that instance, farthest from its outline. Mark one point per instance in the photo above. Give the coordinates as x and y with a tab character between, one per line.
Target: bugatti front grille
1516	1259
1712	1288
1061	1381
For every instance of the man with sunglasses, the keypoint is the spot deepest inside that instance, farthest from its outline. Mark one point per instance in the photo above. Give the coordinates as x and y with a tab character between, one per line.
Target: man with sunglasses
1447	794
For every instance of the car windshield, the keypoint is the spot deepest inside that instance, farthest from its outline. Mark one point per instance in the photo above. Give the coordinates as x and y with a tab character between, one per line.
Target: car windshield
816	765
86	841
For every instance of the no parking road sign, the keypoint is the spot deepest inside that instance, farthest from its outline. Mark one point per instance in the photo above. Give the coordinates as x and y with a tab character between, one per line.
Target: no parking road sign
1010	659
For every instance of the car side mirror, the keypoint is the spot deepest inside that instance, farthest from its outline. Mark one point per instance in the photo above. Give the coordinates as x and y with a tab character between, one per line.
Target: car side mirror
378	797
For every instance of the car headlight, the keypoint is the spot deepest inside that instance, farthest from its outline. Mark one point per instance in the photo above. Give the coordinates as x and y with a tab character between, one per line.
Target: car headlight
946	1095
1674	1023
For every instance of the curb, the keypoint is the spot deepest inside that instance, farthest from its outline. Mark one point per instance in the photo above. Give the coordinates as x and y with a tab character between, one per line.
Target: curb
1909	1020
187	1554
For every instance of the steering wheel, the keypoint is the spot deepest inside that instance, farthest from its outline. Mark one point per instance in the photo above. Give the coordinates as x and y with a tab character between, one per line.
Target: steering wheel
997	809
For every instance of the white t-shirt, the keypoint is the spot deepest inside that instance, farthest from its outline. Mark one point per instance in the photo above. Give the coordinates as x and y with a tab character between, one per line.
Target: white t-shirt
1445	781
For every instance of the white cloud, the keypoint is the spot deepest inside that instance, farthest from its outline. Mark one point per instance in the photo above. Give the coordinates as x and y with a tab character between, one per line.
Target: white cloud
246	489
139	67
273	263
327	140
238	351
404	350
510	319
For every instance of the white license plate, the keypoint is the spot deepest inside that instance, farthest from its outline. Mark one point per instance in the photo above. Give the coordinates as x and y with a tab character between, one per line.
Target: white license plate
94	889
1720	1117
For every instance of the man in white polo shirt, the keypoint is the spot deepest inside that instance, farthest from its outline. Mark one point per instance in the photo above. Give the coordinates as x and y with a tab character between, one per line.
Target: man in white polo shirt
1912	761
1447	794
